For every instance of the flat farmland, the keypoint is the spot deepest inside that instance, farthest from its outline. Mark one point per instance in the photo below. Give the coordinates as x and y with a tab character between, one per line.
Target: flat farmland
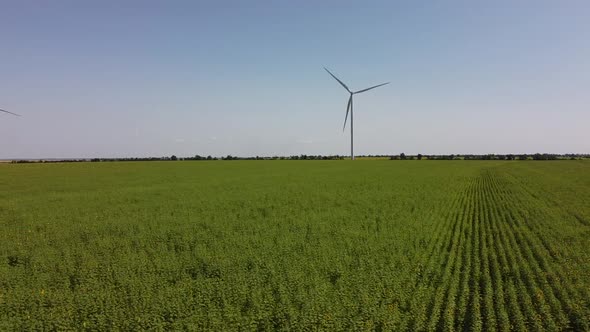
295	245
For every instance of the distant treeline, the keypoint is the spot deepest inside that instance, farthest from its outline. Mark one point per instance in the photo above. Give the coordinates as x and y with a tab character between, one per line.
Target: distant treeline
402	156
536	156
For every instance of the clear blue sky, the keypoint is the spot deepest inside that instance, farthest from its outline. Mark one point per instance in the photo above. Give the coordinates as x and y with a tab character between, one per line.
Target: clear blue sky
156	78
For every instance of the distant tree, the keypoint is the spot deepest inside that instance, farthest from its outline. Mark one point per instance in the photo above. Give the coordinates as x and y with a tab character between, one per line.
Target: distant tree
402	156
548	156
419	156
173	157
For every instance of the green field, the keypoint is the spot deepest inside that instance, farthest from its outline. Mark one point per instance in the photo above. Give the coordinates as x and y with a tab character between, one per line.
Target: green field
295	245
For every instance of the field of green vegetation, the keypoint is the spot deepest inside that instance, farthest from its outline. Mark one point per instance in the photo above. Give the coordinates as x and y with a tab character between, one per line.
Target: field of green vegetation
295	245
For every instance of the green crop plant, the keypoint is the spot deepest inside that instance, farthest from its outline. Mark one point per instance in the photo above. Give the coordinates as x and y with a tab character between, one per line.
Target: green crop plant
295	245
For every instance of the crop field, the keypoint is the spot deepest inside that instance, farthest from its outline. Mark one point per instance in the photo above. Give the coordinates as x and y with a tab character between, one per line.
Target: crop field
295	245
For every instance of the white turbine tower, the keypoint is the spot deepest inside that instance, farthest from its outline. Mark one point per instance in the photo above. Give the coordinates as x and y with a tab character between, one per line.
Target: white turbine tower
349	107
1	110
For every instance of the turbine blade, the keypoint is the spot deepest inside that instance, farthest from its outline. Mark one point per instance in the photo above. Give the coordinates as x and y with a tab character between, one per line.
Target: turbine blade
1	110
339	81
347	109
373	87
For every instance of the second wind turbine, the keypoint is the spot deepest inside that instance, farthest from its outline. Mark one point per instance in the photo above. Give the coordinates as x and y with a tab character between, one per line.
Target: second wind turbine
349	108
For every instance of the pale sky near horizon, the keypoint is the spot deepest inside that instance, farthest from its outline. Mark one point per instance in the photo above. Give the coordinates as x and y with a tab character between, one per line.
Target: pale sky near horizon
246	78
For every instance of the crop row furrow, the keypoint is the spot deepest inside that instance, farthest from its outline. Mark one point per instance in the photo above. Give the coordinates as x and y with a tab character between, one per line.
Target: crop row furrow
488	282
541	290
464	278
553	291
437	262
517	266
453	298
437	311
542	236
473	320
418	302
438	258
547	291
508	291
498	288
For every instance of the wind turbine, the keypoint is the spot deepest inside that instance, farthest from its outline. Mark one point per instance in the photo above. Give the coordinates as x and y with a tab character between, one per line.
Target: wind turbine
349	107
1	110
